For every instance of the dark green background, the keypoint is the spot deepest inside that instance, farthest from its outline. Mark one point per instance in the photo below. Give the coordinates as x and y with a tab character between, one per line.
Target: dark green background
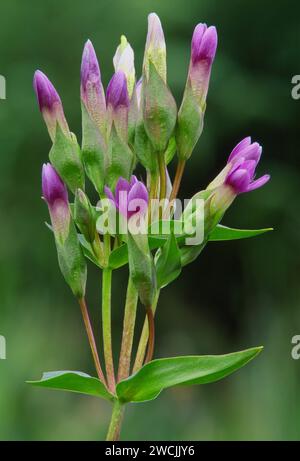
237	295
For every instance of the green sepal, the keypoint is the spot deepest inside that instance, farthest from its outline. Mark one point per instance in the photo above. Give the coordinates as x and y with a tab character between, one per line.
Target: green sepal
120	159
84	216
93	151
189	124
161	374
159	110
73	381
144	149
168	262
65	156
141	267
171	150
71	262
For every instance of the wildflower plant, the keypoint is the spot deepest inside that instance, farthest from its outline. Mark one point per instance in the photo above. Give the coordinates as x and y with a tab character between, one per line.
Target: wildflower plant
137	221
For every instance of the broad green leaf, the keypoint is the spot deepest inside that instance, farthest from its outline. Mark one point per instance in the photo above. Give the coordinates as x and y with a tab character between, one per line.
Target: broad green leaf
168	262
73	381
118	257
161	374
227	233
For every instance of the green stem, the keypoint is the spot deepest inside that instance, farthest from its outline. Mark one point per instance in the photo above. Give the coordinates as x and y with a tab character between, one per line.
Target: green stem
106	319
163	176
128	330
139	360
114	429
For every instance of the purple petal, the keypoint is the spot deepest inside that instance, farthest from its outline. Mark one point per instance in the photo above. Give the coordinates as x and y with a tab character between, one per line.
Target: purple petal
90	70
109	194
137	199
155	36
239	147
239	180
250	166
259	182
52	185
45	92
117	93
204	43
133	180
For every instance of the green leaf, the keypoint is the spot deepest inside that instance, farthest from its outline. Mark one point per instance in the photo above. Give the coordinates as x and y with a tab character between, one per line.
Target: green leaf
141	267
73	381
93	151
120	159
159	110
88	250
168	262
65	157
221	233
118	257
161	374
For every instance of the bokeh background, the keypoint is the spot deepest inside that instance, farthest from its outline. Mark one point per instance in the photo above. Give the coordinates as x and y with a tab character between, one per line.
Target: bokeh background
236	295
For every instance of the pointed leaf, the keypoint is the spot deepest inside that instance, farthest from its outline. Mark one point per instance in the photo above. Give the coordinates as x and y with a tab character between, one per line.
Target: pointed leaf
73	381
160	374
221	233
168	262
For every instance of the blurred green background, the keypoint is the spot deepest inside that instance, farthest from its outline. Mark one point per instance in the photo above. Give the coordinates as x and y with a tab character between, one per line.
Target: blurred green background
236	295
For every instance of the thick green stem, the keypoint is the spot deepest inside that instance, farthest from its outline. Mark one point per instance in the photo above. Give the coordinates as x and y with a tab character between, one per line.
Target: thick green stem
106	320
128	331
114	429
140	355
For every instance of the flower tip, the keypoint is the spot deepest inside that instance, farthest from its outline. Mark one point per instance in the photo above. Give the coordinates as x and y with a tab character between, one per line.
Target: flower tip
204	43
45	92
90	70
117	92
53	188
155	37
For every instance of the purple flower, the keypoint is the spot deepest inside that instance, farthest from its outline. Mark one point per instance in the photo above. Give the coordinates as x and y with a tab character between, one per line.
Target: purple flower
130	198
117	93
243	161
91	88
50	104
56	195
203	51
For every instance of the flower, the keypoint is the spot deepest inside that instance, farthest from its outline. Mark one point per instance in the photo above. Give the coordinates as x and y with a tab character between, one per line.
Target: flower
243	161
56	195
91	89
203	51
155	49
130	197
124	60
50	104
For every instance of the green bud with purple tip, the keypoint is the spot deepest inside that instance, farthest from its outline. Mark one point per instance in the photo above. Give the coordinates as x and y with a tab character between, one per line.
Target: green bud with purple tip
70	257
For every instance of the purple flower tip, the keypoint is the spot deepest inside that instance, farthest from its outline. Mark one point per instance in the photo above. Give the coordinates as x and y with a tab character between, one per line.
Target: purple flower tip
52	186
117	93
90	70
130	197
204	43
45	92
243	160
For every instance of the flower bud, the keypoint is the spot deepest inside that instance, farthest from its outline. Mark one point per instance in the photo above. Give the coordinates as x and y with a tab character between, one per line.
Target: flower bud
191	112
124	61
118	103
155	50
70	257
84	216
56	195
50	105
91	89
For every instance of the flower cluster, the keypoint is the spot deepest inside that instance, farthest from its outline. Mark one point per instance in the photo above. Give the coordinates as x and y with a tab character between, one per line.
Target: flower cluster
135	121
